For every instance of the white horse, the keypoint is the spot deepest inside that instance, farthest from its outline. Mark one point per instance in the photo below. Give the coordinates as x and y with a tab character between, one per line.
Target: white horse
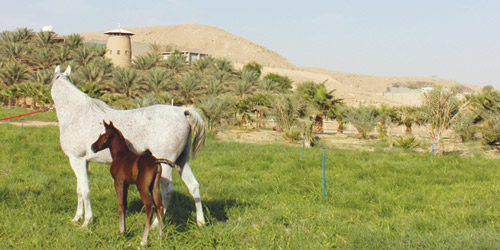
162	129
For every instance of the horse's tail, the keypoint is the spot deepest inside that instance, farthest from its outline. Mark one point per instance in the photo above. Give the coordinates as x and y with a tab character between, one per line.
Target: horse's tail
198	128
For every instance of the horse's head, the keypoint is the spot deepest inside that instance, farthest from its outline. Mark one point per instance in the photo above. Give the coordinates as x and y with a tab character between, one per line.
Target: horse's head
105	138
58	74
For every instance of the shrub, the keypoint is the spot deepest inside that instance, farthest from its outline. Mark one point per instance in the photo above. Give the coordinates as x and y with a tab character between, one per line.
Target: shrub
409	142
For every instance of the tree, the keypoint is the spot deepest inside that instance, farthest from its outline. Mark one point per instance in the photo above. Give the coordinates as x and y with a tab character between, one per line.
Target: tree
125	80
189	87
13	73
146	62
73	41
321	98
440	108
287	111
408	116
283	83
215	109
364	119
175	62
253	67
157	80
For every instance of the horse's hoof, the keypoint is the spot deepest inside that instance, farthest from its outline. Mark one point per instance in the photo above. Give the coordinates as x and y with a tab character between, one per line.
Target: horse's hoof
87	222
76	219
200	222
144	243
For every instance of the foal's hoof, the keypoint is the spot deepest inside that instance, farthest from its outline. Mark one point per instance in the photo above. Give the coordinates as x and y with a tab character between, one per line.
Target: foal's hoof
144	243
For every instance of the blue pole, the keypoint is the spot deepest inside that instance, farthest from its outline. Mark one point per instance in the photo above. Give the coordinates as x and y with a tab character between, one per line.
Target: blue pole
303	145
324	181
275	136
22	126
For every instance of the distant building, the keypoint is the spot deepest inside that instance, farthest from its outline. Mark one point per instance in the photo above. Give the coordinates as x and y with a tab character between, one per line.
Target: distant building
119	47
190	55
404	95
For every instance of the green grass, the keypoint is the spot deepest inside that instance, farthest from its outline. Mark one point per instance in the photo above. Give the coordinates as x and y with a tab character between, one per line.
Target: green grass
258	197
42	116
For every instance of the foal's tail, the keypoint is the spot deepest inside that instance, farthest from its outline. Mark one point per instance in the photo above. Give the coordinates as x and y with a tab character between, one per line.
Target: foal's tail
169	162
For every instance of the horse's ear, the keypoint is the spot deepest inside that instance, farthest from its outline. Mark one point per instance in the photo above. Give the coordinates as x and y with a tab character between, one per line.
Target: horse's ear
111	124
58	69
68	70
105	124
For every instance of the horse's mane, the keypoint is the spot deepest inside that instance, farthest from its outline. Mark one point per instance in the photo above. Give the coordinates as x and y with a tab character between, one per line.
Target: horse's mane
93	103
97	105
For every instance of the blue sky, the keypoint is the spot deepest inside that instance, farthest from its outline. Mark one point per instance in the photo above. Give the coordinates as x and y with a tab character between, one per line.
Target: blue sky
458	40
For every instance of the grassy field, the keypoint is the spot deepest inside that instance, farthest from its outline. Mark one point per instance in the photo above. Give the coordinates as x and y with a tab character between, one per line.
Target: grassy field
42	116
258	197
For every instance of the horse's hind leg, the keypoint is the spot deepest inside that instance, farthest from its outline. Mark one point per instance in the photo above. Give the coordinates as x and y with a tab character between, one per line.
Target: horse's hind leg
194	188
79	167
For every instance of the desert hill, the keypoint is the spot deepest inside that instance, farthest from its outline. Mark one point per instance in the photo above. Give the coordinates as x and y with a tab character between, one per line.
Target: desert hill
353	88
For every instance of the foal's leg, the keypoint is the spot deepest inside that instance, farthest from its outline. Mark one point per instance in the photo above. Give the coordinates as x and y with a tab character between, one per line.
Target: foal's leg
80	166
148	204
167	188
121	200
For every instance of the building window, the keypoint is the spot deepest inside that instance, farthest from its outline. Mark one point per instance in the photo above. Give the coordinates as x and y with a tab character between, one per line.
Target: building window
126	52
118	52
110	52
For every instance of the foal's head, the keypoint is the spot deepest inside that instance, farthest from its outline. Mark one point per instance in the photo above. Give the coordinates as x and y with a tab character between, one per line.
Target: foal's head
106	138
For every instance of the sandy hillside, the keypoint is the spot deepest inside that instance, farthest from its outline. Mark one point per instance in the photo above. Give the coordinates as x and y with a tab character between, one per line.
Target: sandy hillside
203	38
353	88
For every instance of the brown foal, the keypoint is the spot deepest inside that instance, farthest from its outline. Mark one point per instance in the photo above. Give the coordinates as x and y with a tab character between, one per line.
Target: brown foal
128	168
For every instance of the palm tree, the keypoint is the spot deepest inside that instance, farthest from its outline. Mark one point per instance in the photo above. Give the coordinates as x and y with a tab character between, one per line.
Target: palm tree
409	116
73	41
125	80
250	76
189	86
83	56
364	119
13	73
157	80
43	77
175	62
146	62
42	58
204	64
215	109
321	98
93	73
440	108
215	87
290	113
14	51
283	84
242	88
45	39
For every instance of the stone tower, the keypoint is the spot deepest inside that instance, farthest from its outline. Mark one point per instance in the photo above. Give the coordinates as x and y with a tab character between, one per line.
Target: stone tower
119	47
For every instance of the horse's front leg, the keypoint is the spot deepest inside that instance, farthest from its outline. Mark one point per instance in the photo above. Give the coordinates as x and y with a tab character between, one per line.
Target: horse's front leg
79	167
121	200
